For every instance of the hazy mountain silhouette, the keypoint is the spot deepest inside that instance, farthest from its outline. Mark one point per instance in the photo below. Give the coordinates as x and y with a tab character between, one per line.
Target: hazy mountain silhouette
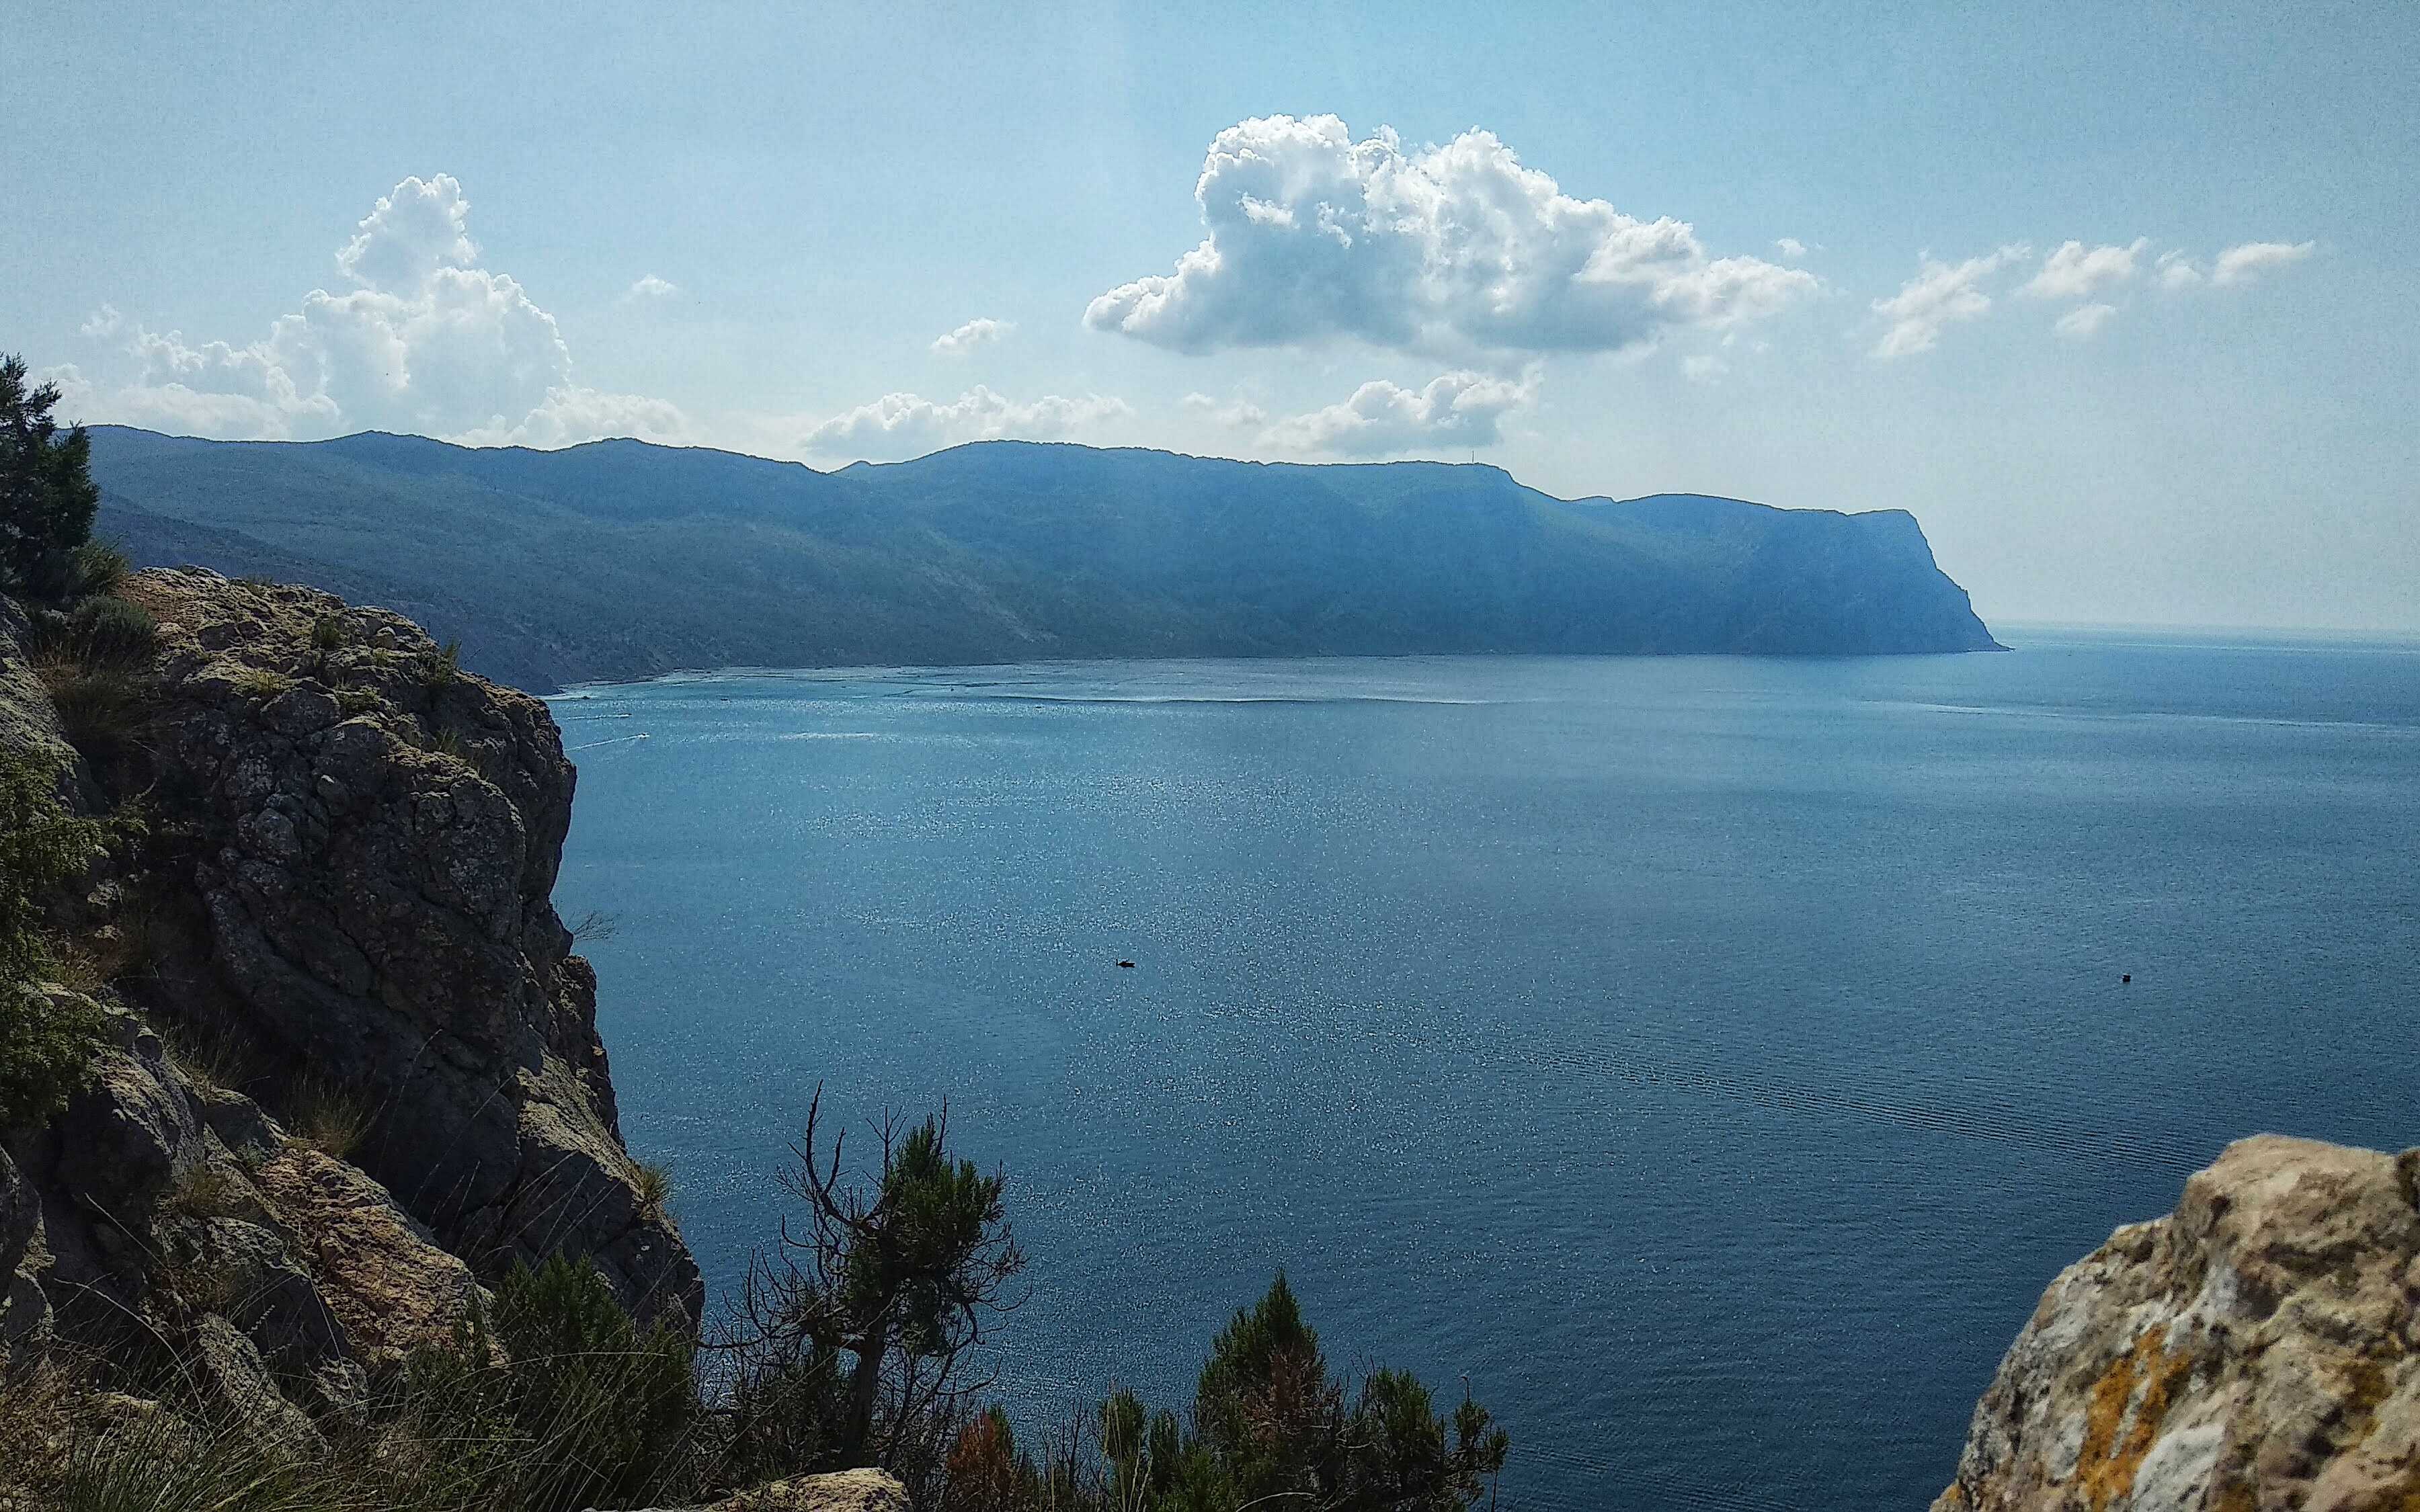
620	559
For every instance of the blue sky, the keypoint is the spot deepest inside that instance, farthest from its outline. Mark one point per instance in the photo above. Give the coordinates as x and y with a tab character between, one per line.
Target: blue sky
1808	254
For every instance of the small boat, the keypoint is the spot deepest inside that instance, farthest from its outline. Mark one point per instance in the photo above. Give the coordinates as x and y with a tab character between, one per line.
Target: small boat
1126	963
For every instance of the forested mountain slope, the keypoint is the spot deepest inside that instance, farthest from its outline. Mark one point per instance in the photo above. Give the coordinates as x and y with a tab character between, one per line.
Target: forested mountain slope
621	559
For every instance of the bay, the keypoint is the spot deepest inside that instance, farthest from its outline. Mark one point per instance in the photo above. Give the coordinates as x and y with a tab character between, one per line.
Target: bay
1708	1060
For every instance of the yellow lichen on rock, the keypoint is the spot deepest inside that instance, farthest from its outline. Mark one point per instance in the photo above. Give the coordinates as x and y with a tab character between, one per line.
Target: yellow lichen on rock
2248	1353
2120	1423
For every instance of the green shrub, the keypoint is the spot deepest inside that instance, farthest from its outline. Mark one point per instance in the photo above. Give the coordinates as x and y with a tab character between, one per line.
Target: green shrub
47	497
106	713
1271	1427
97	567
654	1184
45	1040
443	668
579	1406
108	631
328	633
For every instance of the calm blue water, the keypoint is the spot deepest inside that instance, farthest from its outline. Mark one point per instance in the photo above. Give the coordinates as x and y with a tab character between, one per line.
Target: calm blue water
1710	1059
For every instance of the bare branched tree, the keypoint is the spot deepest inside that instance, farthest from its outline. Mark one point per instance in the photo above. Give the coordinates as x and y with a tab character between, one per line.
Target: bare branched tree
904	1272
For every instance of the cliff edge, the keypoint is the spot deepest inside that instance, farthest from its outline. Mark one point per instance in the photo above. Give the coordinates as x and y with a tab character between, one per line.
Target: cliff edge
2254	1351
351	1068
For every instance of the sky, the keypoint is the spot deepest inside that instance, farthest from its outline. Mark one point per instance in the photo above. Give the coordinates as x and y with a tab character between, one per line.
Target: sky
2121	300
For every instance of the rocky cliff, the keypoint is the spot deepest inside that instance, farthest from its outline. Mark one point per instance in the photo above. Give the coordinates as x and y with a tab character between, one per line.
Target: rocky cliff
352	1067
2254	1351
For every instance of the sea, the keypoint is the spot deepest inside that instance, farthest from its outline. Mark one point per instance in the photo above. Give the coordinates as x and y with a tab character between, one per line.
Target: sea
1701	1062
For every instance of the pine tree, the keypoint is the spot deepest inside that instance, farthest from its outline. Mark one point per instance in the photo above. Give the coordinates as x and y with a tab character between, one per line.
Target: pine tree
47	495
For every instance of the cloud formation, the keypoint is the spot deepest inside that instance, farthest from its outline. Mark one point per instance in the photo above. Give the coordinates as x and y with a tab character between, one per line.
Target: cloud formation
2244	263
2074	272
2176	271
1384	419
652	287
1237	414
1456	248
2084	321
1791	247
972	334
426	341
1940	295
901	425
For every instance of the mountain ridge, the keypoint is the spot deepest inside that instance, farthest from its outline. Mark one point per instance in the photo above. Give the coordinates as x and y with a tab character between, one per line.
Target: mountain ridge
621	559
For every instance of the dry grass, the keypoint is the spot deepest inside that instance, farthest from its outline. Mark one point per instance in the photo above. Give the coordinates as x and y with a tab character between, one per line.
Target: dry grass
262	682
208	1056
39	1411
329	1117
207	1191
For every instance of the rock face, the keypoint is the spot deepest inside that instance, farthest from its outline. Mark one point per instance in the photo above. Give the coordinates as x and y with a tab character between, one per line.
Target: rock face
354	1067
2257	1350
160	1208
375	837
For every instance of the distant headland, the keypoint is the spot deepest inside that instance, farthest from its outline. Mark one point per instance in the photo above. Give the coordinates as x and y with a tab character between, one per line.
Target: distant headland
620	559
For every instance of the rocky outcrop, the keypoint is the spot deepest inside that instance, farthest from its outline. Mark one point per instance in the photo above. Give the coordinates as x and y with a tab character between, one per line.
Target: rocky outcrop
351	1067
848	1490
373	837
2257	1350
263	1268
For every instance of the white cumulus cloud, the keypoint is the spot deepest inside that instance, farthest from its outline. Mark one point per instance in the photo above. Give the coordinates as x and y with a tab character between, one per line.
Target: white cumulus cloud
2084	321
2075	271
2176	271
426	341
569	416
899	426
1237	414
972	334
1382	419
2242	263
652	287
1941	294
1791	247
1458	248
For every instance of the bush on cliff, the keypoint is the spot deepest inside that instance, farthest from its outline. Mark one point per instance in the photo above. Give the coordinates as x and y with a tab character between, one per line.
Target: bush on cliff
902	1272
561	1401
46	1039
47	496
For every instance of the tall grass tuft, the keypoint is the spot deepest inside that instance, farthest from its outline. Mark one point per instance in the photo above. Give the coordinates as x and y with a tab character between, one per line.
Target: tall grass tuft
327	1116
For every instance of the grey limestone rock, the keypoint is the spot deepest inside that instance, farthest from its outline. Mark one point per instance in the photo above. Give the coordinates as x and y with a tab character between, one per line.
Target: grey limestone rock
375	836
2256	1351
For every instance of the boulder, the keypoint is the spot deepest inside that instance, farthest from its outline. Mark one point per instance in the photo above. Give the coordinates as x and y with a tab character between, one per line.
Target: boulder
2256	1351
846	1490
